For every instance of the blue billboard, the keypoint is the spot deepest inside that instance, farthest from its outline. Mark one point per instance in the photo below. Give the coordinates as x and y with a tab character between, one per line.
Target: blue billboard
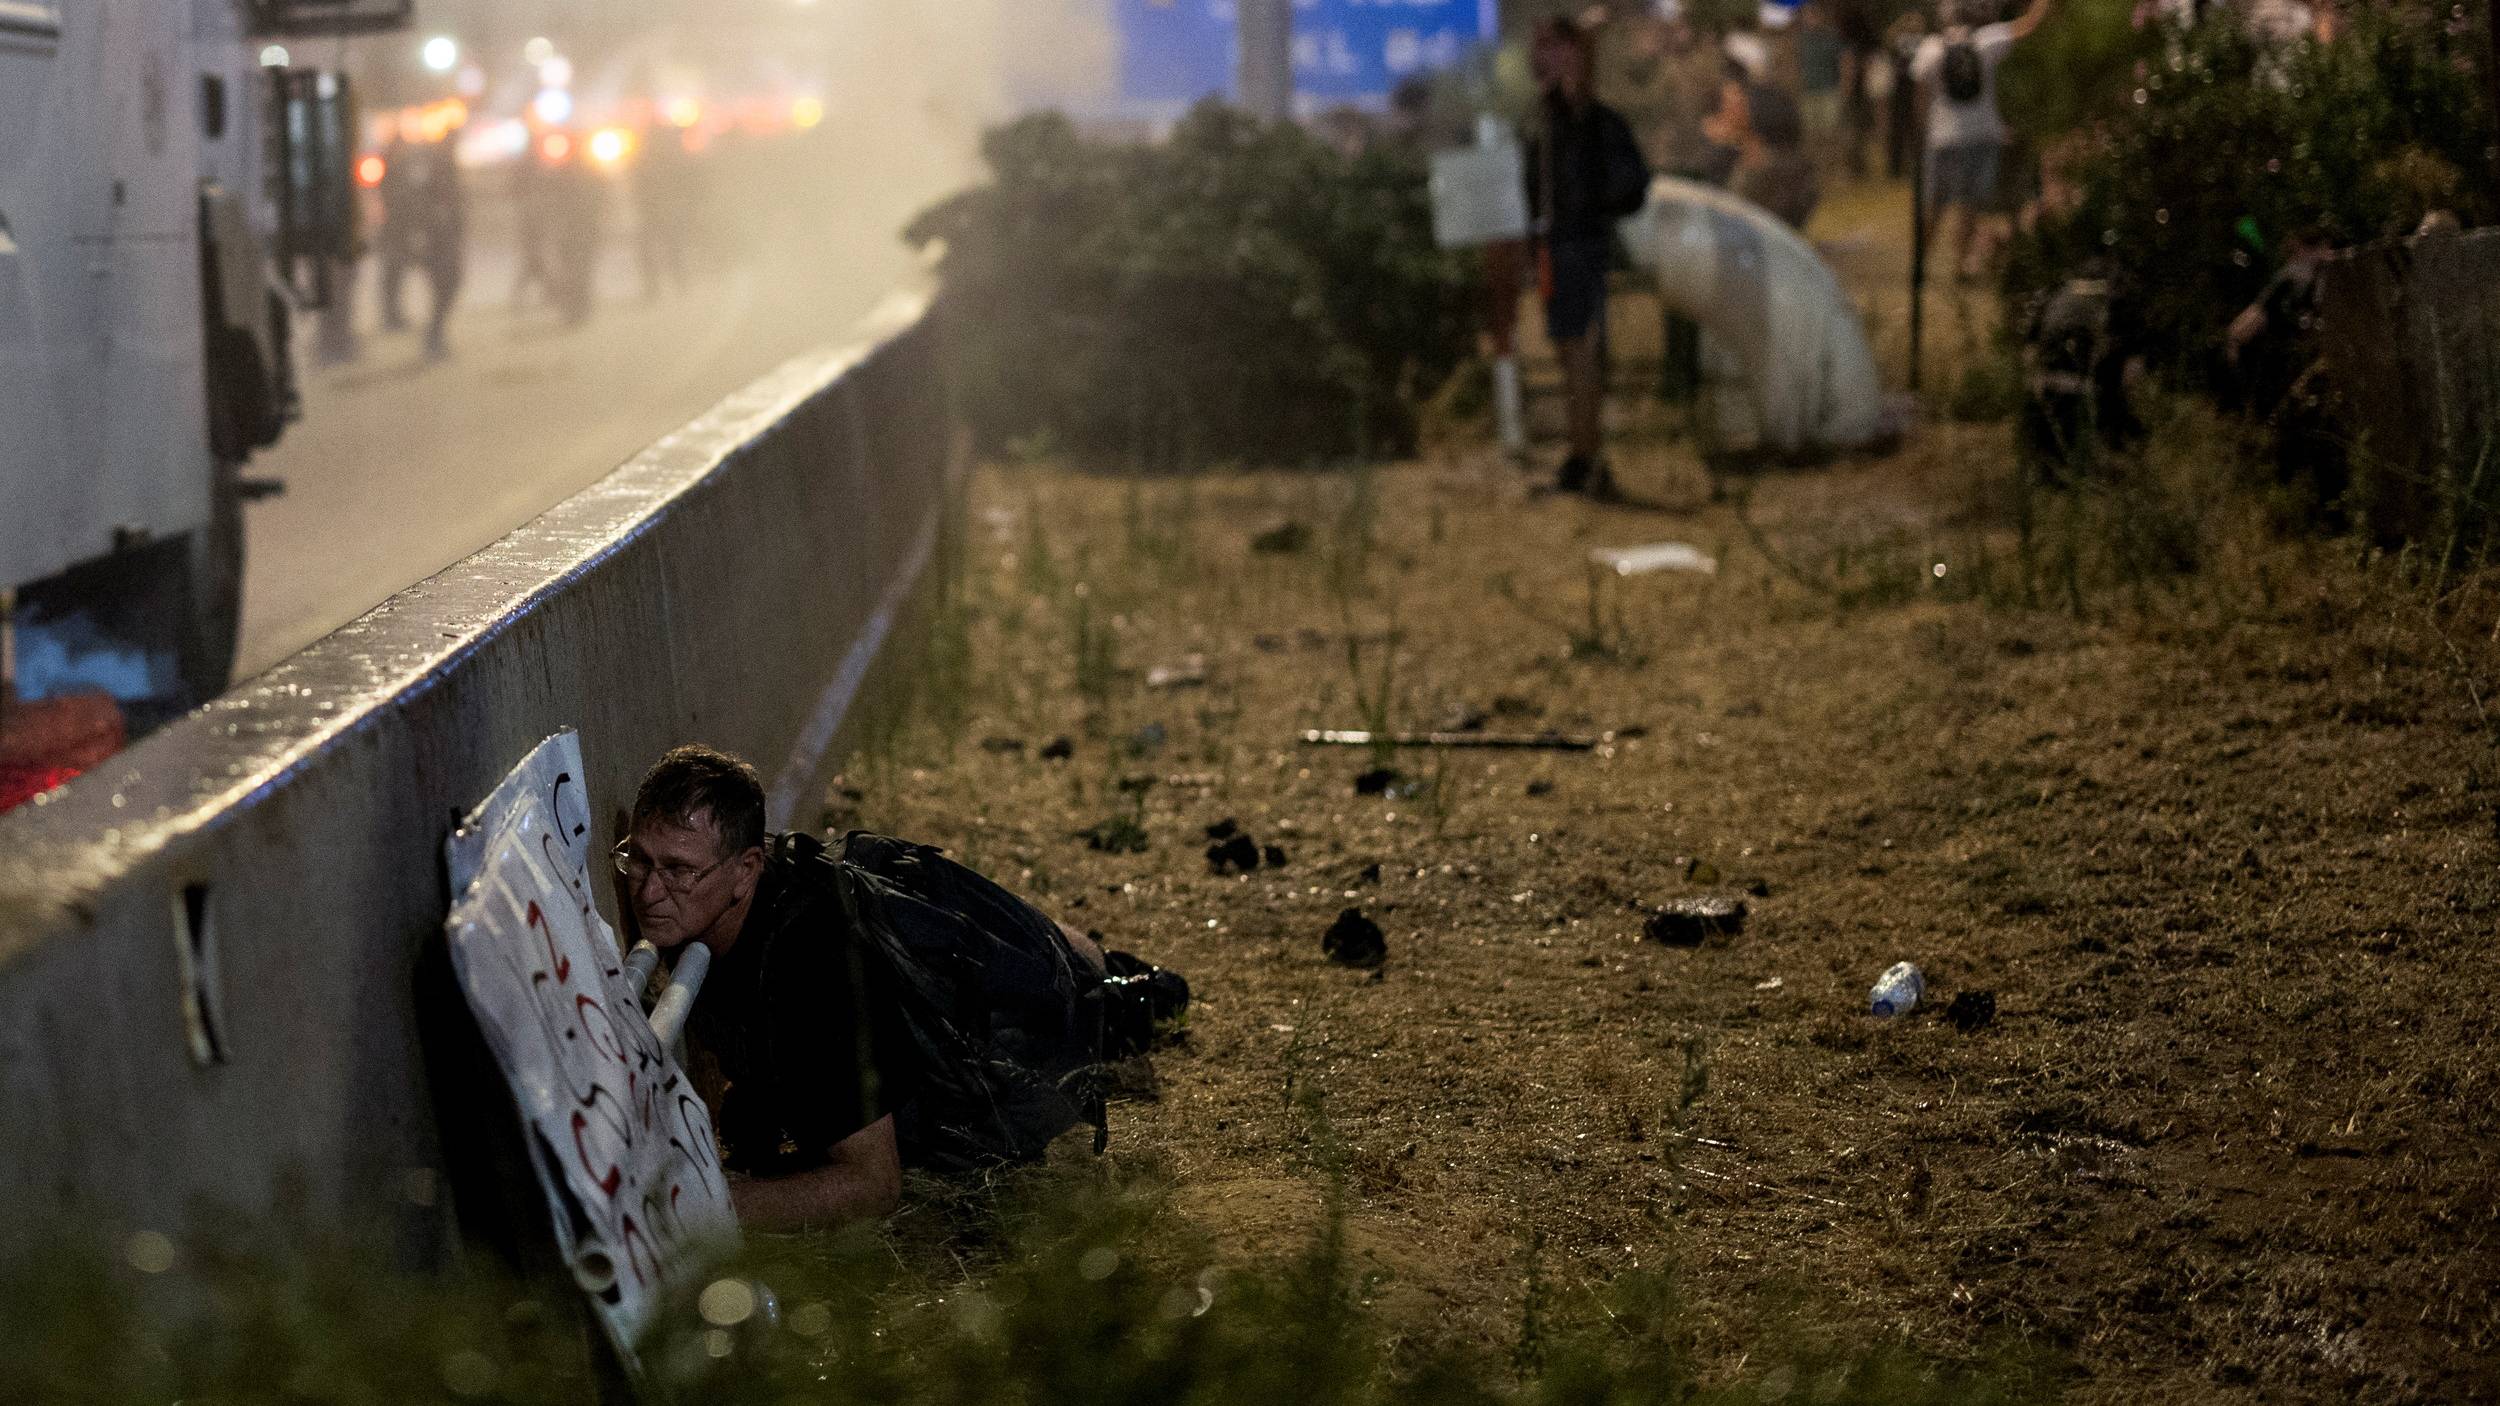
1175	52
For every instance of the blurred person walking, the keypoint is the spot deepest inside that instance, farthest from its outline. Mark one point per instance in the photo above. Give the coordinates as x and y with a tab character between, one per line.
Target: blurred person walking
572	212
1759	122
1584	173
442	240
395	246
665	200
1966	135
1823	63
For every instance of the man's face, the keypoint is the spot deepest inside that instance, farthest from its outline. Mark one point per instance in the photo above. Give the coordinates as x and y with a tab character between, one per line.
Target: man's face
1562	67
682	882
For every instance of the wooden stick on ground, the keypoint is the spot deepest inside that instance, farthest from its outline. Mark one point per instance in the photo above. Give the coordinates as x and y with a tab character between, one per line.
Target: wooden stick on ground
1511	741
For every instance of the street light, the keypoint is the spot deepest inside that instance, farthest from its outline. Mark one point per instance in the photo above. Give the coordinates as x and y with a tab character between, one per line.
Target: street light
441	53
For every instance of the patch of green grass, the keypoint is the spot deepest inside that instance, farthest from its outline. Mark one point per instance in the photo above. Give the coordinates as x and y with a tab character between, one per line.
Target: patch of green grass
1073	1283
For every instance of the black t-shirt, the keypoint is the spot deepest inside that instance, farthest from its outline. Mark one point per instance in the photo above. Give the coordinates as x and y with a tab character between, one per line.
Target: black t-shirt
1584	171
796	1013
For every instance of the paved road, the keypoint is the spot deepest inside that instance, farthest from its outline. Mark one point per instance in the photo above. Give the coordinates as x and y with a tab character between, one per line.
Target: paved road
401	467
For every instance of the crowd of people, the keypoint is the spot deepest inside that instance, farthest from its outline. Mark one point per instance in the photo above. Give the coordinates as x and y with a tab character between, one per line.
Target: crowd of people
1775	107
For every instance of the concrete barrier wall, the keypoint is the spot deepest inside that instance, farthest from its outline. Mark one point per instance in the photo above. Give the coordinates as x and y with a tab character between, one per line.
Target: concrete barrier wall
211	949
2412	335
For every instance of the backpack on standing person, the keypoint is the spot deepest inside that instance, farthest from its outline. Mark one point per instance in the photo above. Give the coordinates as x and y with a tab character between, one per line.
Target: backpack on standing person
1964	76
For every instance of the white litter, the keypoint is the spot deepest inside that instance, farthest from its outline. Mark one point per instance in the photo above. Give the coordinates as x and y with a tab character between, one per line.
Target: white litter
1657	556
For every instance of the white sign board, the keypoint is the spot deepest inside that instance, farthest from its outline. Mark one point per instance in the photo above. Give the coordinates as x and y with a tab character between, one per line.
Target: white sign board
1479	194
622	1146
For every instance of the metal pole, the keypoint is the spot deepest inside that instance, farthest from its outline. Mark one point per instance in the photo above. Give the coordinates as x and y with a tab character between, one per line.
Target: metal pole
1918	250
1266	72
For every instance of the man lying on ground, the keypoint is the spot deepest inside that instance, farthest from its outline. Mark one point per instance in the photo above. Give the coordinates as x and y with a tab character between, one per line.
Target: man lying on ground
870	1008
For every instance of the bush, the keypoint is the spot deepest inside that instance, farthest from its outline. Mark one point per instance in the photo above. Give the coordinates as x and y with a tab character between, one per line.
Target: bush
1239	292
2224	148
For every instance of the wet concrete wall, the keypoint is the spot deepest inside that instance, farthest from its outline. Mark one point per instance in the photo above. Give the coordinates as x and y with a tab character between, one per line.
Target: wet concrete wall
220	992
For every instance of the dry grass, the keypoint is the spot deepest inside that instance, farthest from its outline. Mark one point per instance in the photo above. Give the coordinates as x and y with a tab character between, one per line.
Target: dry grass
2219	843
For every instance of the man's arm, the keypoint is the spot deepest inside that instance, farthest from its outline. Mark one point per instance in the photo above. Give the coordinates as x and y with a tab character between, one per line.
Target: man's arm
864	1180
2021	27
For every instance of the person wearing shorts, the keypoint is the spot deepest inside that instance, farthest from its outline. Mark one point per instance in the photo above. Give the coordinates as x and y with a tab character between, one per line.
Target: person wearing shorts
1584	173
1966	135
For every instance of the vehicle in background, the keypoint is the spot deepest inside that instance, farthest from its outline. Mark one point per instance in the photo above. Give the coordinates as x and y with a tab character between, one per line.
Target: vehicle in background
171	192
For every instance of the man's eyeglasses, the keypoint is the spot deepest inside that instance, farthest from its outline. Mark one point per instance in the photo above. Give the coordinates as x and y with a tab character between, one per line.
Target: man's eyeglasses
676	878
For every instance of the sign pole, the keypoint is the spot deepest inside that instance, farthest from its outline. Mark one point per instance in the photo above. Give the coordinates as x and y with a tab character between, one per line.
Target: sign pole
1266	74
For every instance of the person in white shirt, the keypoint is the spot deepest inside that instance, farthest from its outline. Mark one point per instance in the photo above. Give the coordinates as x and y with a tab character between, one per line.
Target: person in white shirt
1966	135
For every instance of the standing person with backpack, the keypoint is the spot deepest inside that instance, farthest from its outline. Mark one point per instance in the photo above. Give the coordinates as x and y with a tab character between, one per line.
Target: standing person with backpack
1966	136
1584	172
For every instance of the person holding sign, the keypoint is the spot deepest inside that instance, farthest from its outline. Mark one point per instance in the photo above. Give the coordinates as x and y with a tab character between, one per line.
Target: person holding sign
870	1008
1584	173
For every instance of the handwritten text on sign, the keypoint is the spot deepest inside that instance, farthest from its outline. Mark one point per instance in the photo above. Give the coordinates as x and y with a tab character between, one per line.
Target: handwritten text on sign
622	1146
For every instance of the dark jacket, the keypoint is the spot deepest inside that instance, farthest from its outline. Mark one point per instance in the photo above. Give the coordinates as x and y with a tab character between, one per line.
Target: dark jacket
889	979
1584	171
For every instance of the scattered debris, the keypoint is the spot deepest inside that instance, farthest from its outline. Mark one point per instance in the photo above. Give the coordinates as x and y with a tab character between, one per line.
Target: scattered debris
1516	741
1629	732
1511	705
1269	644
1463	718
1135	785
1540	788
1769	984
1758	887
1376	782
1689	922
1120	834
1192	780
1657	556
1232	850
1003	745
1700	871
1371	873
1972	1010
1355	941
1898	991
1284	539
1148	740
1188	673
1233	853
1059	750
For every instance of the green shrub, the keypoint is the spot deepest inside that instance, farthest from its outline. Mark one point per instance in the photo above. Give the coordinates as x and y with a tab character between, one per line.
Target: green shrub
2222	149
1073	1295
1238	292
2077	70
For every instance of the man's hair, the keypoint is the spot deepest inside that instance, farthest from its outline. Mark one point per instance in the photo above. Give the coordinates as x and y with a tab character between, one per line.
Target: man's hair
694	782
1562	29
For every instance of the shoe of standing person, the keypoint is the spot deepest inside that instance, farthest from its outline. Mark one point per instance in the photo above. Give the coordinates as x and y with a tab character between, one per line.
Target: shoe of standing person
1574	477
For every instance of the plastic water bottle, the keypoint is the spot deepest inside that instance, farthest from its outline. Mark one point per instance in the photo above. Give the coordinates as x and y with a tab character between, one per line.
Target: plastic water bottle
1898	991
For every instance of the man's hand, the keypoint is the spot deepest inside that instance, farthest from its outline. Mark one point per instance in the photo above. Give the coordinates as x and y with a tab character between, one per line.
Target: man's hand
864	1180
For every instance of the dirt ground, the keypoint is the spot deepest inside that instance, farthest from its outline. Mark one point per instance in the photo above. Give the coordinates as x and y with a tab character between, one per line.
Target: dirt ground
2216	834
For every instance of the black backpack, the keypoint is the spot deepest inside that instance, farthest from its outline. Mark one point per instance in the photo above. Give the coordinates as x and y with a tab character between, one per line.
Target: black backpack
1965	76
1004	1024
